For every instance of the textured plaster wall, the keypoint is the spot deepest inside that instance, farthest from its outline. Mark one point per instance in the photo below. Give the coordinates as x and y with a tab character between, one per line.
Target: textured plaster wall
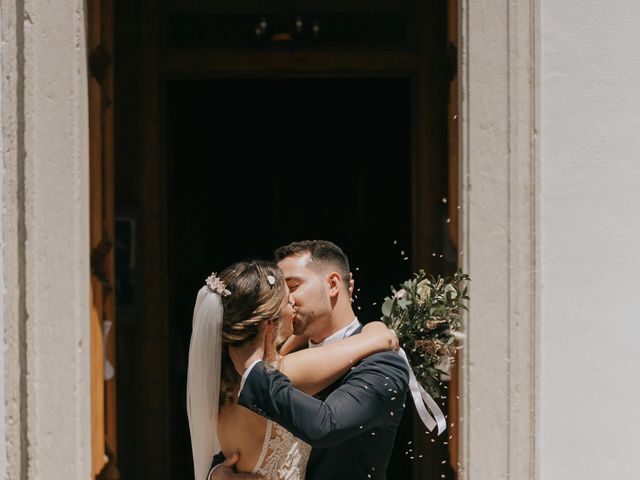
3	446
590	244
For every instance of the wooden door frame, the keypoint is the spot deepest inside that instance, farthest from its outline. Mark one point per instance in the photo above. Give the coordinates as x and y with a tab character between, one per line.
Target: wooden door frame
100	49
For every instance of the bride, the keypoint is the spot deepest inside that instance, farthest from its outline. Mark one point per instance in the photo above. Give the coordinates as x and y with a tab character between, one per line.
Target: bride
248	309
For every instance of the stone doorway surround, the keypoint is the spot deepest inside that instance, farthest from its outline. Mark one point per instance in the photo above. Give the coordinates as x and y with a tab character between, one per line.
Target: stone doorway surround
46	423
499	171
45	426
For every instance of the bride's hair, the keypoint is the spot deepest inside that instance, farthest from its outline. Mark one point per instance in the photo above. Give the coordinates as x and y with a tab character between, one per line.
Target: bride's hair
257	295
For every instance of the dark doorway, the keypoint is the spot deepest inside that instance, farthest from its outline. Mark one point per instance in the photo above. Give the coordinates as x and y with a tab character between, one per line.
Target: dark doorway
256	163
224	151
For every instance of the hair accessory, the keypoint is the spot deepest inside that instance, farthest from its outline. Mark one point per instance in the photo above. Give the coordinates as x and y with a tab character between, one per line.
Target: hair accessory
271	279
215	285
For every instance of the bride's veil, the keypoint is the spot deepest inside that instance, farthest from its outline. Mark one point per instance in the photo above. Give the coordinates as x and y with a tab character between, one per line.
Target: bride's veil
203	379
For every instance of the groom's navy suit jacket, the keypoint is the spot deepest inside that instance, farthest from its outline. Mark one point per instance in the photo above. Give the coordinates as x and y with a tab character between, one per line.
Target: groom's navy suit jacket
351	426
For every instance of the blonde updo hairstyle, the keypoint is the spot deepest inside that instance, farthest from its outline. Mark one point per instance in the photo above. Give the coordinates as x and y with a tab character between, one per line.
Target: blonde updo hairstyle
253	302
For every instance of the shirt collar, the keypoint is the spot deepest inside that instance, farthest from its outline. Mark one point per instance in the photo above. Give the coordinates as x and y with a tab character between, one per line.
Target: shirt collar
339	335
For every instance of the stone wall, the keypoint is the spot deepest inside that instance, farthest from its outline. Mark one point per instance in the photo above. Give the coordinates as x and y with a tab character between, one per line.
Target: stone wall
45	239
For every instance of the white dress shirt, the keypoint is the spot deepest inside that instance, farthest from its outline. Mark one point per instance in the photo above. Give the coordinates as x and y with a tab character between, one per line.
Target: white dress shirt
339	335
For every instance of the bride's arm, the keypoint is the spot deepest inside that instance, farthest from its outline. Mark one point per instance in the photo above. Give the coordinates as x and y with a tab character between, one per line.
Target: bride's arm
314	369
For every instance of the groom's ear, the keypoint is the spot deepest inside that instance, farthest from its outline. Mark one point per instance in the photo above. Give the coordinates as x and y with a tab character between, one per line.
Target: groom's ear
335	283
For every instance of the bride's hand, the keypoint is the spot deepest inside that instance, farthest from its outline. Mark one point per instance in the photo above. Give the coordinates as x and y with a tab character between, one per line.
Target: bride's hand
293	343
386	336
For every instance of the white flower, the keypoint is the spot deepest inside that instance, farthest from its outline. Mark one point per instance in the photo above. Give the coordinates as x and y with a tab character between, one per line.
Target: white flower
423	290
271	279
401	293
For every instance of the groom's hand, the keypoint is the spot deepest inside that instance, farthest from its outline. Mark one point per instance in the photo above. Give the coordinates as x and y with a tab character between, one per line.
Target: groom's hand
226	471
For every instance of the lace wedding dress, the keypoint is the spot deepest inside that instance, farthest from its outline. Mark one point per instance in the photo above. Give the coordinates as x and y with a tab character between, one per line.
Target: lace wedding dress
283	456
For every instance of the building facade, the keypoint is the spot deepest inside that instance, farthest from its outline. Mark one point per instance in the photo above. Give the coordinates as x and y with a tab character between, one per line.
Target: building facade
549	177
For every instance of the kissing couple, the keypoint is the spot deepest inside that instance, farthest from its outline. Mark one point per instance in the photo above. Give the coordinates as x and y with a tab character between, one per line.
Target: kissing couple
269	408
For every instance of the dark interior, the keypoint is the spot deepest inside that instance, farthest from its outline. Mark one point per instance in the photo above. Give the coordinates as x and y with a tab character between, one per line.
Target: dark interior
256	163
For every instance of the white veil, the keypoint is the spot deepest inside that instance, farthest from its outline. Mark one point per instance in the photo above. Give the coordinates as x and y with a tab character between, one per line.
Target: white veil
203	380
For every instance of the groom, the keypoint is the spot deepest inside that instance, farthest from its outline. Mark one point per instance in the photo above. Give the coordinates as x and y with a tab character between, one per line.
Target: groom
352	425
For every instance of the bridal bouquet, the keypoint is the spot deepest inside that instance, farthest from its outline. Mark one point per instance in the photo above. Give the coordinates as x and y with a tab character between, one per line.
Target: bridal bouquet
426	313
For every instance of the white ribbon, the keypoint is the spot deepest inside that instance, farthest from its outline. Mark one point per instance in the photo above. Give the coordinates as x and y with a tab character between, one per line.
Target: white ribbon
423	401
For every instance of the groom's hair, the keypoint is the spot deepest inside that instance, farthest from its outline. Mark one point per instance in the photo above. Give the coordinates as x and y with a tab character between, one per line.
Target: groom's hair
320	251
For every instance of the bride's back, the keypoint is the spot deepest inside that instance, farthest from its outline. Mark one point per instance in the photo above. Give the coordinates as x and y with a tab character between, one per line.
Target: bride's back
233	311
265	448
254	305
242	431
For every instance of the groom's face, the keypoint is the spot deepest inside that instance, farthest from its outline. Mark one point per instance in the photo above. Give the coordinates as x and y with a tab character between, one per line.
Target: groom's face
309	288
